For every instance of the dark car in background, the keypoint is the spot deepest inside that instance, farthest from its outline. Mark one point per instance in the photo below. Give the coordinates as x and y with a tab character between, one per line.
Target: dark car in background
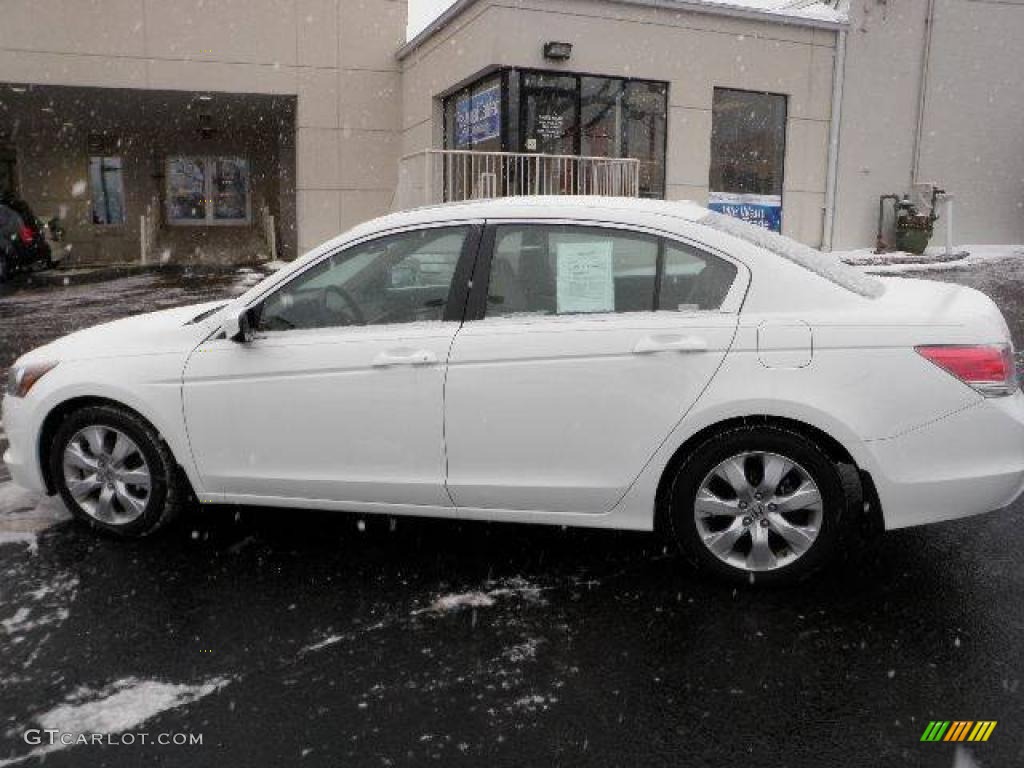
22	238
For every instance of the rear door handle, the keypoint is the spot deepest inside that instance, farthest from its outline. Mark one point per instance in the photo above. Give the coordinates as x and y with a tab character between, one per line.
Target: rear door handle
404	357
670	343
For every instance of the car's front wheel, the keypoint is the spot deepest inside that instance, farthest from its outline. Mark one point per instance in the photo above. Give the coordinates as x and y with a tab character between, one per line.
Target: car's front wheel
758	504
114	472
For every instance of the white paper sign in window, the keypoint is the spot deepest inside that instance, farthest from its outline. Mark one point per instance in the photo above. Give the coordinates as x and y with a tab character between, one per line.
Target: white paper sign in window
585	277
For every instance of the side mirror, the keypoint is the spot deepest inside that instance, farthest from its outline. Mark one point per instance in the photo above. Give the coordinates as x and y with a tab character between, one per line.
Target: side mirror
239	327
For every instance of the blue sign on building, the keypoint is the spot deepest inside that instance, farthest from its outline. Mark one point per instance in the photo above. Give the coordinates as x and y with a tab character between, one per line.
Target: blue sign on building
762	210
478	117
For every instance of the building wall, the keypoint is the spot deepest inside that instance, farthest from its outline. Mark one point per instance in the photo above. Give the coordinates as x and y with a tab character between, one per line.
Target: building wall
694	52
879	117
336	56
971	142
973	138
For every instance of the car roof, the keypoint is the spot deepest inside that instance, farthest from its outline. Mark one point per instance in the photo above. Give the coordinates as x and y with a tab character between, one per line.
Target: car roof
621	209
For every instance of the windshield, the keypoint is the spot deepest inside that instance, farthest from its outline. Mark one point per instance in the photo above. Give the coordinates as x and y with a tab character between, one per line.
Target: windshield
823	264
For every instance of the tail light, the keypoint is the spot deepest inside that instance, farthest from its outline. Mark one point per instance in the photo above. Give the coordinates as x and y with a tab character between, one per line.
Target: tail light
990	368
25	233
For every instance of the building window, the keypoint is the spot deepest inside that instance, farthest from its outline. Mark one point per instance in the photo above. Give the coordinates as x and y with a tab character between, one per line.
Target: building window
748	155
208	191
554	113
106	186
473	117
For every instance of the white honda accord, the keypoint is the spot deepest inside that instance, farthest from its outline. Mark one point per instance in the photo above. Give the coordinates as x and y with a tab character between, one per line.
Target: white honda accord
572	361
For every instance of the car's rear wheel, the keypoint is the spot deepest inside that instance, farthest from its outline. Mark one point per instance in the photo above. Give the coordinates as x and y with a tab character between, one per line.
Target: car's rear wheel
5	267
758	504
114	472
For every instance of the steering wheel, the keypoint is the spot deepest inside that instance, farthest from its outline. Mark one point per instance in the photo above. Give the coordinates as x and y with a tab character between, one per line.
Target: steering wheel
355	314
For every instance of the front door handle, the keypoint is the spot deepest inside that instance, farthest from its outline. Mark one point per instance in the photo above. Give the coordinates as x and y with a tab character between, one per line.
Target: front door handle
404	357
670	343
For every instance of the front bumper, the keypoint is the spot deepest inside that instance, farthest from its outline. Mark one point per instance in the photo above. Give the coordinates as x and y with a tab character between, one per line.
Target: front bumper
21	456
965	464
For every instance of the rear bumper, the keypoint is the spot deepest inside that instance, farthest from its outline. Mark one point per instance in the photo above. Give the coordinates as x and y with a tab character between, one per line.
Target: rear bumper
20	457
965	464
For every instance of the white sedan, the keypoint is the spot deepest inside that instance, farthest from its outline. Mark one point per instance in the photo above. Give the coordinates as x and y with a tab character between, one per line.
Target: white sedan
571	361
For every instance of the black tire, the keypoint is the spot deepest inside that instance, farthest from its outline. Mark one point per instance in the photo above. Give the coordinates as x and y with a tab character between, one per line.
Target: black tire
5	267
167	493
836	494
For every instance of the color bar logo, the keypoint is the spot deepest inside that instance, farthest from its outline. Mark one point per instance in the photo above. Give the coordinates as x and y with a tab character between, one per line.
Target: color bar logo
958	730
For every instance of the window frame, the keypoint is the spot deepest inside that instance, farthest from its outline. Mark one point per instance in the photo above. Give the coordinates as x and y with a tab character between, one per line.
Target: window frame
476	308
458	294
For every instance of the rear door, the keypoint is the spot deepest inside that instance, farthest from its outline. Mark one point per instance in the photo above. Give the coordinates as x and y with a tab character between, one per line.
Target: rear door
588	345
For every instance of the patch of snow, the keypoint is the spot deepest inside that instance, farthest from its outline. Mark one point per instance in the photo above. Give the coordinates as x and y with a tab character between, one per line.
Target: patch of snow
933	260
456	602
119	707
534	702
78	188
515	587
24	515
524	651
274	265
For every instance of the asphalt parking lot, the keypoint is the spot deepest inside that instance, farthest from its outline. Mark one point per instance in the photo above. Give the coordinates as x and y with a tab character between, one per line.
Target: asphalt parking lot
291	637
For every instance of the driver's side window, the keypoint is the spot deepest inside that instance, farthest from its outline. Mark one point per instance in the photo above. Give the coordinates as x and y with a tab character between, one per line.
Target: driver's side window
401	278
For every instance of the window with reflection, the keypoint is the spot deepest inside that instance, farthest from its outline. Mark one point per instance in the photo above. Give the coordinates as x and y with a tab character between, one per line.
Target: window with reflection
402	278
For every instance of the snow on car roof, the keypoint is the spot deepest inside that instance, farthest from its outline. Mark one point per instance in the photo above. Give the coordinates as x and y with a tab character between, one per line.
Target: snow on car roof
823	264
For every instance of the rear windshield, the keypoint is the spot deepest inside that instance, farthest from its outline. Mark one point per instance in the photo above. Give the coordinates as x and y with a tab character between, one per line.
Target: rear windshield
824	264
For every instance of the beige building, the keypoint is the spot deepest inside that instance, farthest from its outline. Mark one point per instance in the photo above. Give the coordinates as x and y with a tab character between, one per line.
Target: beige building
213	120
242	129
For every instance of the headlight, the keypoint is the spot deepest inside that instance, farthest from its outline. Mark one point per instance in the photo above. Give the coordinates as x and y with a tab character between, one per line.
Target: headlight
23	377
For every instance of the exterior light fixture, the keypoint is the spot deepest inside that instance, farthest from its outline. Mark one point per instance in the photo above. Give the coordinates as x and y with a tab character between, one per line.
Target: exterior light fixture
558	51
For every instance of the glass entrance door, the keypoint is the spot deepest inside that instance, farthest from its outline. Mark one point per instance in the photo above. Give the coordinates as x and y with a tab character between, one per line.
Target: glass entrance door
550	126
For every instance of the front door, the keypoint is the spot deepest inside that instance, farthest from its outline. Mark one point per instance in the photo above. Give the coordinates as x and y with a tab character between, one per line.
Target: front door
594	343
340	396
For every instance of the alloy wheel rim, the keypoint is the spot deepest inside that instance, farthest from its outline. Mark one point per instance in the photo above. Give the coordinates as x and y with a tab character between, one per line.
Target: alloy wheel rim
758	511
107	475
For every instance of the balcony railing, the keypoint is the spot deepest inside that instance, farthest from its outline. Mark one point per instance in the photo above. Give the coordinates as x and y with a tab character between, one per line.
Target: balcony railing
450	175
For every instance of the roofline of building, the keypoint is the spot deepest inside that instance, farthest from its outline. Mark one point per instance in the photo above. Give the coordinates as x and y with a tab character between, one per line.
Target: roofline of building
696	6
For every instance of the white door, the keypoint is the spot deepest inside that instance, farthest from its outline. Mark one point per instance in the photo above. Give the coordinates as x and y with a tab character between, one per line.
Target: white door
340	396
561	393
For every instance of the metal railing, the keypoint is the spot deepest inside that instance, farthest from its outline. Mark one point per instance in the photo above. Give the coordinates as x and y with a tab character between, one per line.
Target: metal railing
452	175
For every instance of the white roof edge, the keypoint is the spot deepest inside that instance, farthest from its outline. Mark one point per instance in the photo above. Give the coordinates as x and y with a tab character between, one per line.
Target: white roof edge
790	17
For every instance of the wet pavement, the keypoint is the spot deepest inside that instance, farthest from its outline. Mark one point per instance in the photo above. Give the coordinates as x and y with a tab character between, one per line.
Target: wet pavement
287	637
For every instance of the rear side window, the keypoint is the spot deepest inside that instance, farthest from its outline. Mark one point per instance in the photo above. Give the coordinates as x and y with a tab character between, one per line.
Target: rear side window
568	270
693	280
565	270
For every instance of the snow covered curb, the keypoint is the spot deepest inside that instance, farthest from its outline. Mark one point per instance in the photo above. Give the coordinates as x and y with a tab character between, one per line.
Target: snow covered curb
934	259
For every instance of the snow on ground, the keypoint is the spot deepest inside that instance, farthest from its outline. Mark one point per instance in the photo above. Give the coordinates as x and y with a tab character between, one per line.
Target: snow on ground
477	599
24	515
119	707
933	260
